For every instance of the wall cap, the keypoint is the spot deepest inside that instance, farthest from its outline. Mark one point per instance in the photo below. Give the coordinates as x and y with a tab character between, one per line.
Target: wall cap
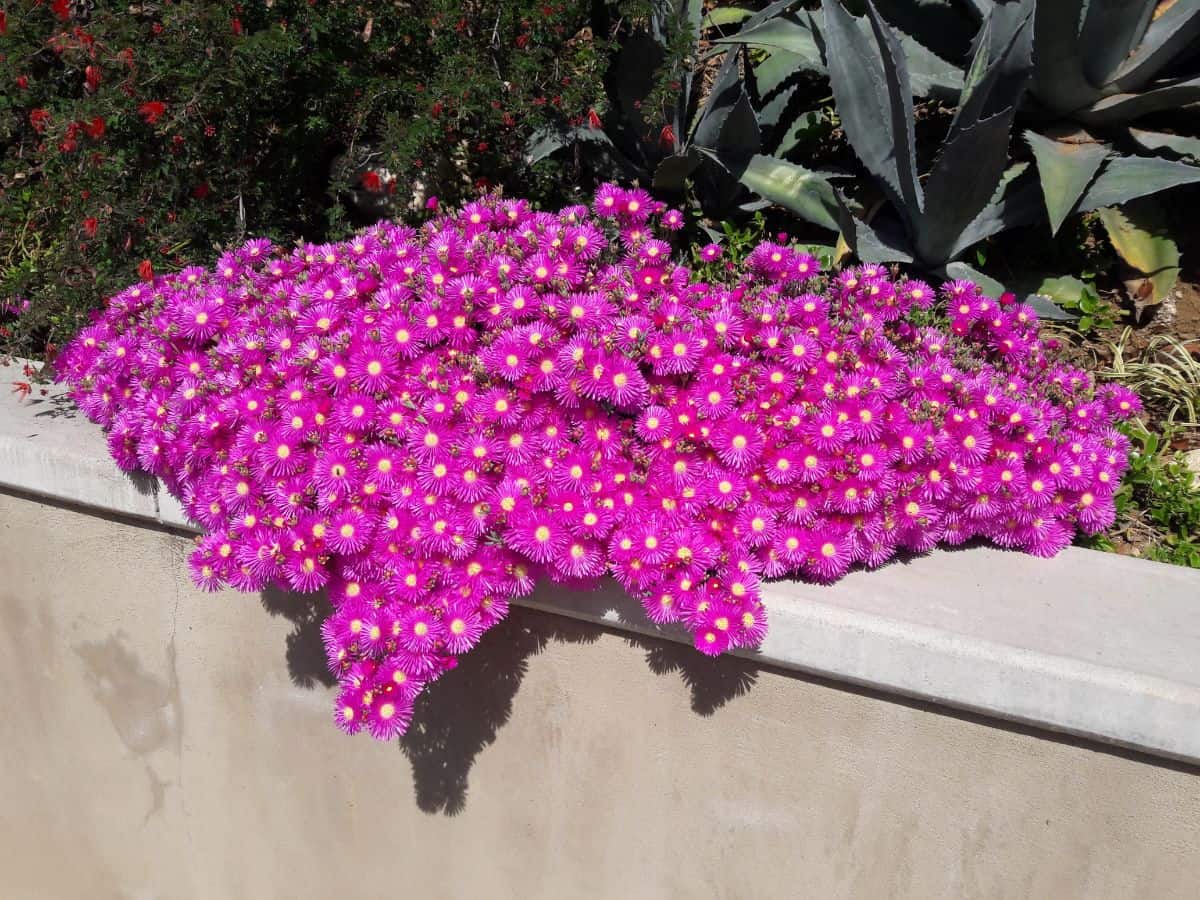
1092	644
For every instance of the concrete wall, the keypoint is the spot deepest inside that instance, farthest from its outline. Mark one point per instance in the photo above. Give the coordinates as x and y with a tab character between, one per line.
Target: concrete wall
161	743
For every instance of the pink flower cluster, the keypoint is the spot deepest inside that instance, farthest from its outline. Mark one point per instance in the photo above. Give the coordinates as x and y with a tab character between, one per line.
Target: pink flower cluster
427	422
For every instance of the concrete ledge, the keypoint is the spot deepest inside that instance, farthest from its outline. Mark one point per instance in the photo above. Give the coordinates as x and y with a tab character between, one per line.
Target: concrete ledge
1090	644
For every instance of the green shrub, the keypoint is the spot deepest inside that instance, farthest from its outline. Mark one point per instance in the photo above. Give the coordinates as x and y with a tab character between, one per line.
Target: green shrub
140	136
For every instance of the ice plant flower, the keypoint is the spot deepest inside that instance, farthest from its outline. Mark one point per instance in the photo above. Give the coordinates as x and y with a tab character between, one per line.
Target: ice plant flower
427	422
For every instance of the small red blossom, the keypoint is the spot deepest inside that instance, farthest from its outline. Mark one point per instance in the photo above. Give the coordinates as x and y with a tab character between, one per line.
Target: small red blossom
201	190
235	25
667	136
62	9
95	128
23	82
39	118
371	181
90	225
152	111
22	389
92	78
3	22
593	118
146	270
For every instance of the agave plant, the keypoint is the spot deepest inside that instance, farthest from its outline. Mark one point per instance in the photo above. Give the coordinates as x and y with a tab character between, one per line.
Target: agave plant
1099	66
972	190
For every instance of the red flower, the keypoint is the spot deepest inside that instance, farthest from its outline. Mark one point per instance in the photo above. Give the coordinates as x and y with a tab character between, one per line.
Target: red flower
39	118
146	270
667	136
235	25
22	82
92	78
22	388
436	109
371	181
89	226
593	118
95	128
62	9
3	22
200	191
152	111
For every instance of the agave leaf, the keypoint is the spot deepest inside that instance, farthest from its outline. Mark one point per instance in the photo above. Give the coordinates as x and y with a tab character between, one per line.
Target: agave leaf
960	186
671	174
1059	80
1111	30
1165	95
1176	143
727	15
1001	66
979	9
800	126
773	85
787	32
1138	233
973	157
739	138
944	26
546	141
1066	168
874	101
1169	35
960	270
800	190
1018	202
722	95
879	241
1127	177
1065	289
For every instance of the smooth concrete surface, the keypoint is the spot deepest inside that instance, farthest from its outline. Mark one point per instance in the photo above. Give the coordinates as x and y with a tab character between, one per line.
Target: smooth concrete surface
162	743
1090	644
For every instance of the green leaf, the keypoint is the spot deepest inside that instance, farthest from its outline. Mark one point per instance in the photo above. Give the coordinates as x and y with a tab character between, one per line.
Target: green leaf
772	85
1111	29
1053	294
960	186
1138	234
1127	177
874	102
803	192
1163	96
546	141
1168	35
787	32
1065	168
1176	143
879	241
960	270
727	15
1059	79
672	172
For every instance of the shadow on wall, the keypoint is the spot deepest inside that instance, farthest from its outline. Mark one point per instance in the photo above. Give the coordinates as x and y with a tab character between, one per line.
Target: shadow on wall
461	713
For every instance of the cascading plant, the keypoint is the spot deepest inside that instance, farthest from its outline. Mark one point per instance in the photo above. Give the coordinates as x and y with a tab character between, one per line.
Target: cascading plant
426	423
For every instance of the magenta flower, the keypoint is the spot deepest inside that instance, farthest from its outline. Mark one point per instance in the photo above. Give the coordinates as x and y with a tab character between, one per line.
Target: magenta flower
428	422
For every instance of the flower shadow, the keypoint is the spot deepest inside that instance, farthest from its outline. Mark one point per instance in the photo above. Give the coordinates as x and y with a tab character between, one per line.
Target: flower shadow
305	652
460	714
